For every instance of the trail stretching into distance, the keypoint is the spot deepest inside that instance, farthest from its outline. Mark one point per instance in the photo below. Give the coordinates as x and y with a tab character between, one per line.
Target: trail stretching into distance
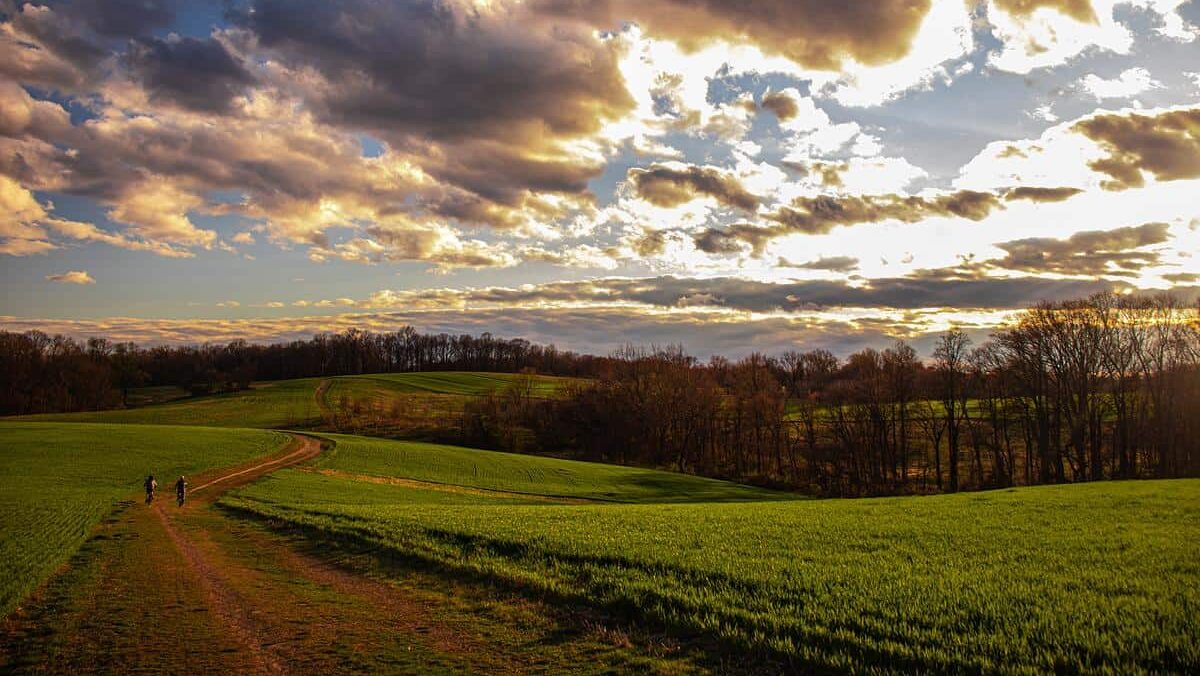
198	590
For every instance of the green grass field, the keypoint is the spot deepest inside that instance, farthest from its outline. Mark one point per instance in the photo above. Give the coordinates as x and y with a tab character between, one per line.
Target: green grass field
292	404
58	481
1096	577
535	475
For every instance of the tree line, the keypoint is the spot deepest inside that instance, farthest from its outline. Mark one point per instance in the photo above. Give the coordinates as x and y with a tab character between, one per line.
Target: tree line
1106	387
52	374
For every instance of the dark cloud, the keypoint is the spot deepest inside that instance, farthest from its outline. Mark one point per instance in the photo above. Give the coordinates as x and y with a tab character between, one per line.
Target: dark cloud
1034	194
670	186
121	18
814	33
1091	252
1182	277
433	69
819	215
650	244
831	263
782	104
740	294
1167	145
193	73
480	98
64	45
735	238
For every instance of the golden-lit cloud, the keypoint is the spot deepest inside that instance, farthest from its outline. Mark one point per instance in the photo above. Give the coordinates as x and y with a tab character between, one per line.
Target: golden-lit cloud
1117	252
80	277
819	215
813	33
672	184
1164	144
1080	10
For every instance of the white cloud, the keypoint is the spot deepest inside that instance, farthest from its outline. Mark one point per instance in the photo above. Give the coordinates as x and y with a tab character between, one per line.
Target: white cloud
1128	84
1047	37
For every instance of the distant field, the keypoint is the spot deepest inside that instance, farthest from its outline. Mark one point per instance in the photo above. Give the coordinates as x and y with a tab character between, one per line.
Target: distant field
1096	577
281	404
58	481
293	404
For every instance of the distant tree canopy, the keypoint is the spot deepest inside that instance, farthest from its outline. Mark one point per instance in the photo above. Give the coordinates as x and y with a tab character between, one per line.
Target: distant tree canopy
1105	387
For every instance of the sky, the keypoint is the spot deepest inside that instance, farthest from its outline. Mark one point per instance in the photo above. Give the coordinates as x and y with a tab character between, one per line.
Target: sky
733	177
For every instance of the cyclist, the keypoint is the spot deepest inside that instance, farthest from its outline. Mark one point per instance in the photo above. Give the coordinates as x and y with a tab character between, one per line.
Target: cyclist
151	485
180	490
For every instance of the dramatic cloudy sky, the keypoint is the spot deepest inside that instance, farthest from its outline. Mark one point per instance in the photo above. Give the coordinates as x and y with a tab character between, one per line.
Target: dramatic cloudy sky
729	175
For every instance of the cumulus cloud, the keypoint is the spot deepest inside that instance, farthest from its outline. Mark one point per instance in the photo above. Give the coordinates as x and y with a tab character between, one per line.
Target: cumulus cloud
819	215
191	72
72	277
672	184
1090	252
1128	84
1164	144
813	33
487	115
1043	33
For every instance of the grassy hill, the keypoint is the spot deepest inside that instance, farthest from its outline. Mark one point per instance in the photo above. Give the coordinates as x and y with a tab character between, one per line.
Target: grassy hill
298	404
1097	577
361	457
57	481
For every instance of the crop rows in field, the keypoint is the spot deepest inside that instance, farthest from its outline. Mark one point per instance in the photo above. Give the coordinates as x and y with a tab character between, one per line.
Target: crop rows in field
1089	577
58	480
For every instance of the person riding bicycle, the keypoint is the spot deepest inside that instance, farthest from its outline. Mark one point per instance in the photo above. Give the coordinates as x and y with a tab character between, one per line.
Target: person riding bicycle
151	485
180	490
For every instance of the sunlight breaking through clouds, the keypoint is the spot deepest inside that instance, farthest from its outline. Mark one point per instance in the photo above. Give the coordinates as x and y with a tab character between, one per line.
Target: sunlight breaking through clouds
458	146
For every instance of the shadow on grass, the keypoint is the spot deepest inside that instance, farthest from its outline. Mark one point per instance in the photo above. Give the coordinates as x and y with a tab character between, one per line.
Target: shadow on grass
744	645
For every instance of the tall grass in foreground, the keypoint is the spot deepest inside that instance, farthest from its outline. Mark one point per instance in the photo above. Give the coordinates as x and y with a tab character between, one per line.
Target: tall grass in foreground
1099	577
58	480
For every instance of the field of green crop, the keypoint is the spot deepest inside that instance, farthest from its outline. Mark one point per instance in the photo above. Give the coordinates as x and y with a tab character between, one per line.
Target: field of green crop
58	481
1096	577
535	475
292	404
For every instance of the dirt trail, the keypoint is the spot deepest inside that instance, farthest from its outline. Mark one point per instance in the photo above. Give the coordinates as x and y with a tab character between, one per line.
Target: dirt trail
232	609
322	401
195	590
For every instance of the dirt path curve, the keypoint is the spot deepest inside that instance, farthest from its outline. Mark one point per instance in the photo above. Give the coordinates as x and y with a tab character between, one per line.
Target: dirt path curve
232	609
